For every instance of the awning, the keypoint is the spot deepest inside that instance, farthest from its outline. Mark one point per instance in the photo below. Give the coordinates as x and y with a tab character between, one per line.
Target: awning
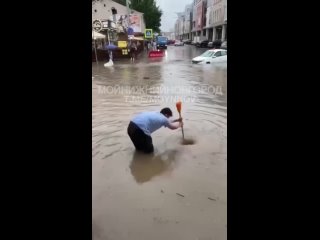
97	35
137	38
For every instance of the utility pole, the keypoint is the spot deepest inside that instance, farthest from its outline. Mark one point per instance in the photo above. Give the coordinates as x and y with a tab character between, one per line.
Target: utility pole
128	18
128	11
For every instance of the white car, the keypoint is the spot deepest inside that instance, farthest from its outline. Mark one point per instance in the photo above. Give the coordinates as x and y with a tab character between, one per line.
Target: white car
211	56
178	43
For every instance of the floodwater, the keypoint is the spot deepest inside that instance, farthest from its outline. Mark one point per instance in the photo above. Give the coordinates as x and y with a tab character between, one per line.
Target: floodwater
179	192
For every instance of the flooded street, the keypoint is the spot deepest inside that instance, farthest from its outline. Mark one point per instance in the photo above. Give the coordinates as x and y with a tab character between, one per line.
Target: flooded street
180	192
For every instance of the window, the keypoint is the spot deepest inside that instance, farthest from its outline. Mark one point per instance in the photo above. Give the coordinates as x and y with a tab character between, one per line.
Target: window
217	54
162	38
207	54
223	53
114	11
95	10
104	5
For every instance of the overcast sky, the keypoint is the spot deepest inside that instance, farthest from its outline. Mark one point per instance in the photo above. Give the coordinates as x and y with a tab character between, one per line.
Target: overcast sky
169	9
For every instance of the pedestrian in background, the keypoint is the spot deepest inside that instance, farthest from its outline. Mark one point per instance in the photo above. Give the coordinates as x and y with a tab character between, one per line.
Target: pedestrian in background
154	44
133	50
149	45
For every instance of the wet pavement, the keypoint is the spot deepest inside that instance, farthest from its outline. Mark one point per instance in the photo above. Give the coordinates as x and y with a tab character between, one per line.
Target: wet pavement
180	192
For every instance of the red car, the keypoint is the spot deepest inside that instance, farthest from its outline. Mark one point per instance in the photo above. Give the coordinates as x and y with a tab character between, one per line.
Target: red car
170	42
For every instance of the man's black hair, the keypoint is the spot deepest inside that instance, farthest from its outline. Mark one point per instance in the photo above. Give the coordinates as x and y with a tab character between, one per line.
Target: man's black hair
166	111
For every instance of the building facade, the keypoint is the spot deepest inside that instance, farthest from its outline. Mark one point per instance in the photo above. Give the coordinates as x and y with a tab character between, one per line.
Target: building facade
199	19
169	35
180	26
207	19
117	15
218	19
119	22
187	22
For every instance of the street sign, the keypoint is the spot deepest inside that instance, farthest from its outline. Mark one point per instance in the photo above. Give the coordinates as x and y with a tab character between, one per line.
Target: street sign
97	25
148	33
105	24
101	24
122	44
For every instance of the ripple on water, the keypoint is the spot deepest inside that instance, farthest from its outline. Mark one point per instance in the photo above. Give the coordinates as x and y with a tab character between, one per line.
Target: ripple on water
111	112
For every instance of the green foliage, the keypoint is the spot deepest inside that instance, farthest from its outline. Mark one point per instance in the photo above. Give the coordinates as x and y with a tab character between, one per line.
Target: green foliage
151	13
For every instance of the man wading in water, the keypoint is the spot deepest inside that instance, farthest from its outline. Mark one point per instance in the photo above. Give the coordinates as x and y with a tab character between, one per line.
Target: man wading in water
133	50
142	125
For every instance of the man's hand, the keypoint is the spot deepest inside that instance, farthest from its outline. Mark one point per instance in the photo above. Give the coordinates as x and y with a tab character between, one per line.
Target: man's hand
174	126
177	120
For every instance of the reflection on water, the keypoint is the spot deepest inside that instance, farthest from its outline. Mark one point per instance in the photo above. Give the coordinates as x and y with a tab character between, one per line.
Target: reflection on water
146	166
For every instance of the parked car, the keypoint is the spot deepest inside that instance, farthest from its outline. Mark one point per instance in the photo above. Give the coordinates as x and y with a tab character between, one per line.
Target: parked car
188	41
178	43
224	45
211	56
203	43
170	42
214	44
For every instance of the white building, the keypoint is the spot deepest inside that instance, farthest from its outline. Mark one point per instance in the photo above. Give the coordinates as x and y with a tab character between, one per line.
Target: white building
224	29
209	22
187	22
117	13
183	25
169	35
219	16
179	27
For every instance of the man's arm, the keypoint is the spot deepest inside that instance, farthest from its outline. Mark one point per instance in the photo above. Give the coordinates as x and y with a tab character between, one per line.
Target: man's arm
177	120
174	126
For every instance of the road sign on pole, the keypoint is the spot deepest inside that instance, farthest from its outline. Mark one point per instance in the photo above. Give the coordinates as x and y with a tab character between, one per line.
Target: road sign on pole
97	25
148	33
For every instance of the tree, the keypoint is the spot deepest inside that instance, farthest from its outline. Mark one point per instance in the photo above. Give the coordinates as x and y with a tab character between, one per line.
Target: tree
151	13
